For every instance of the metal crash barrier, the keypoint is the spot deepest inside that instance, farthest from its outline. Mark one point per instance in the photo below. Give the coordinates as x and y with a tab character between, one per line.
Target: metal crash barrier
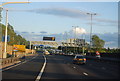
9	60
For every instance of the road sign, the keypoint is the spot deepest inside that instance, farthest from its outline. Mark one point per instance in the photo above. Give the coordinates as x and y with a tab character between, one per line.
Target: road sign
49	38
41	45
3	38
18	47
15	49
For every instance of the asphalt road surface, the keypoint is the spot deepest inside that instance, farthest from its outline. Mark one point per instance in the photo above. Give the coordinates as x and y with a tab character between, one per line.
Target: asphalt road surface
28	70
61	67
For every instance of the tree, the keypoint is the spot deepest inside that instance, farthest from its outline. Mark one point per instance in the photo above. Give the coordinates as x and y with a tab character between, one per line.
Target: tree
0	14
97	43
14	38
0	25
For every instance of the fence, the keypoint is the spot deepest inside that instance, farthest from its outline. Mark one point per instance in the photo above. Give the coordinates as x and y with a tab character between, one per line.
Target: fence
9	60
9	49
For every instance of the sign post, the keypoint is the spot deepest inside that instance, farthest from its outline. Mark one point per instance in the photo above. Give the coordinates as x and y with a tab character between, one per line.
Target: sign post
1	50
18	48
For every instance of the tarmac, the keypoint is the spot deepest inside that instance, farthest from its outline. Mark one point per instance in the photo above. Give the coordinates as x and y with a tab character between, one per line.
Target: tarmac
6	65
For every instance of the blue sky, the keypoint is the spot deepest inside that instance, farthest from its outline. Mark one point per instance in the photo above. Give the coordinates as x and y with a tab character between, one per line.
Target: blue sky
55	18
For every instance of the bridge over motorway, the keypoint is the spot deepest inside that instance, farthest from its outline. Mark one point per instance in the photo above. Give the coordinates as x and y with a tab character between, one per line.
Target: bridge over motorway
54	43
50	43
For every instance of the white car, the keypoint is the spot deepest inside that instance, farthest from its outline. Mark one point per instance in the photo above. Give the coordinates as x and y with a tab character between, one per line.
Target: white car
46	52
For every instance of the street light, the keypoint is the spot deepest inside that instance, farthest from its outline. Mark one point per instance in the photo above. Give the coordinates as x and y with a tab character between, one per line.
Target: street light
75	38
12	3
5	47
91	15
83	43
61	41
66	42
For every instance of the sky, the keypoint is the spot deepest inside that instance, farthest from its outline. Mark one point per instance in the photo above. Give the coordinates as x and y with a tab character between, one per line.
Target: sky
37	19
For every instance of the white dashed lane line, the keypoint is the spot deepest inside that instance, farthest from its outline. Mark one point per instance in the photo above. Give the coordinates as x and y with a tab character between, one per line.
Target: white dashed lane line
85	73
74	67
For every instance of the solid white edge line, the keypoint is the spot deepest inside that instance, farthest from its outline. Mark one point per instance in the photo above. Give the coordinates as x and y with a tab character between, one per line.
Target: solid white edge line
42	70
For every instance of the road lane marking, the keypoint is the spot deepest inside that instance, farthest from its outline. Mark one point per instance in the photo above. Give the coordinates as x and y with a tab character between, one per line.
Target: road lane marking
17	64
85	73
42	70
74	67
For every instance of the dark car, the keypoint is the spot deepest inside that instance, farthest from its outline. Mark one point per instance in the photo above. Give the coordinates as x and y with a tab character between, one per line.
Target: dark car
79	59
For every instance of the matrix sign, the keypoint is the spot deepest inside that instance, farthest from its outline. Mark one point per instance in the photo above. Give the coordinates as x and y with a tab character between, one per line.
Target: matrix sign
49	38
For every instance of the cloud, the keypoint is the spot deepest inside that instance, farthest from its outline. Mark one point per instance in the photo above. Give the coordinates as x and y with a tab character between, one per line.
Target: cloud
72	13
103	24
65	12
79	30
43	32
106	20
108	43
24	32
62	0
32	32
111	39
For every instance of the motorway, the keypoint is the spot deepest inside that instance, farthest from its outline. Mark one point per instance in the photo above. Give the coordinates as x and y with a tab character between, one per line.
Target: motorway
27	70
61	67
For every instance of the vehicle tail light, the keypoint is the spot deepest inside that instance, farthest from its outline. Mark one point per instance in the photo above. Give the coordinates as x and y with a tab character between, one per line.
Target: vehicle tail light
84	59
80	59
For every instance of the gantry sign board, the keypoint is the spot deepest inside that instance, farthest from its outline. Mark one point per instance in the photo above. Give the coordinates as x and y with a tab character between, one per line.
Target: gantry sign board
49	38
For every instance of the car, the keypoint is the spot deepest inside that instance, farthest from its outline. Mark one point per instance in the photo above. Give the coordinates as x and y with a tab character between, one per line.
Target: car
46	52
79	59
70	53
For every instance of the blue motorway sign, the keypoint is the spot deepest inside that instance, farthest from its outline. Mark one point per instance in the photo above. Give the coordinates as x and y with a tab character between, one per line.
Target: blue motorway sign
3	38
41	45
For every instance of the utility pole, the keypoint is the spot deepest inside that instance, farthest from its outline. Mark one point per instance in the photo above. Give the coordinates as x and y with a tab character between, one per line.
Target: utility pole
0	35
91	15
5	46
66	42
30	45
75	42
83	44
